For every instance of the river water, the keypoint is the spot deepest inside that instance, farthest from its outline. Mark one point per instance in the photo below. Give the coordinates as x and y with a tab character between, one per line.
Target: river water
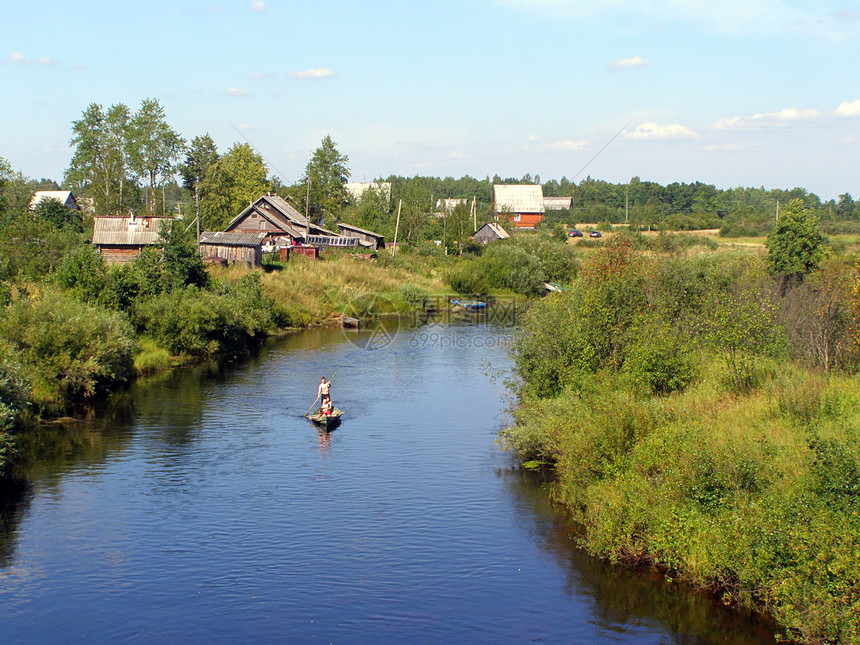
201	507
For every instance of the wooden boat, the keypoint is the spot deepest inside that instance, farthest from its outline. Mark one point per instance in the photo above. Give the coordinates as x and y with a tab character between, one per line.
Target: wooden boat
470	305
326	421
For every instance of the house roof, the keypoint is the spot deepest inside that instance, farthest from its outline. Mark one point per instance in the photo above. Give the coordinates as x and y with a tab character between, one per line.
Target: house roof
232	238
350	227
557	203
126	231
495	228
65	197
281	215
518	198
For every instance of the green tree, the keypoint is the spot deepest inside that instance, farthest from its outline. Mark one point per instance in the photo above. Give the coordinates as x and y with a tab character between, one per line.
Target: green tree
99	165
200	156
154	149
234	181
327	172
795	246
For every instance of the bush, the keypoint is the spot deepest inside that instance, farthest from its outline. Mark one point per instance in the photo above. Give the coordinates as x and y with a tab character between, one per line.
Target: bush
415	297
83	272
199	322
71	351
659	360
468	279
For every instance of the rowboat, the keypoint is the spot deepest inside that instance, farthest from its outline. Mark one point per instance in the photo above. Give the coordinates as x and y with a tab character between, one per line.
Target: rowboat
470	305
326	421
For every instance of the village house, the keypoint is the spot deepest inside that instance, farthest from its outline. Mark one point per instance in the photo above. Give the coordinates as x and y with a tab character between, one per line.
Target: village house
121	239
65	197
282	223
366	238
521	203
490	232
234	247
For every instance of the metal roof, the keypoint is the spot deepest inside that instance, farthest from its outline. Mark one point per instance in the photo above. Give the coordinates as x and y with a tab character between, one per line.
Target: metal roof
232	238
127	231
518	198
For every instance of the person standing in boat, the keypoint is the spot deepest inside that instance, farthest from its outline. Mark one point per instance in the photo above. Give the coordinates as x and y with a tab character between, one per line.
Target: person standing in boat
324	391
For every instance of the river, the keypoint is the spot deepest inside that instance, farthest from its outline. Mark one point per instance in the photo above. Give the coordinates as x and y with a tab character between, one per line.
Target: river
201	507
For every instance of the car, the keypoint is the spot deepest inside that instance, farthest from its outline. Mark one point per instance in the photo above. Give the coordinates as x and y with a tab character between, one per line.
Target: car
595	234
574	233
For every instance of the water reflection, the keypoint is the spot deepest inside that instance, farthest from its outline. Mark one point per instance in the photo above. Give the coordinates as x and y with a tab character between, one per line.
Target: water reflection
626	597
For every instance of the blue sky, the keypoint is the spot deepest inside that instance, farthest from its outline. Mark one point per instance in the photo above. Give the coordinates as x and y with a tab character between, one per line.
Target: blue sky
734	93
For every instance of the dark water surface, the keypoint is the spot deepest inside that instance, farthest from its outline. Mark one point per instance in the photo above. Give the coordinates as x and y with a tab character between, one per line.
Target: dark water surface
202	507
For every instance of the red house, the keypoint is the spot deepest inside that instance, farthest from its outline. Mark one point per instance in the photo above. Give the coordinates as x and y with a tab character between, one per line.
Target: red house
521	203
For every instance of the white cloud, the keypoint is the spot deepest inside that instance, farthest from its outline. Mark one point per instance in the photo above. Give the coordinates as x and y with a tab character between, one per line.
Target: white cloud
533	137
788	114
313	73
567	144
848	108
634	61
458	155
18	58
257	6
262	76
656	131
765	119
236	91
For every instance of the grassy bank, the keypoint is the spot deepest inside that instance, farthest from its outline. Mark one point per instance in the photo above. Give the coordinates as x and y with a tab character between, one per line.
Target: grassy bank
755	497
703	416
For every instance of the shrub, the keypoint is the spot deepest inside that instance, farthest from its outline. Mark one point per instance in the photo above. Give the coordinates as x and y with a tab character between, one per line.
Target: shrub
659	359
415	297
198	322
70	350
468	279
83	272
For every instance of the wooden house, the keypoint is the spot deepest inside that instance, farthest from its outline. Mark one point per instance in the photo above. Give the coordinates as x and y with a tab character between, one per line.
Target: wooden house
65	197
121	239
234	247
521	203
366	238
273	216
490	232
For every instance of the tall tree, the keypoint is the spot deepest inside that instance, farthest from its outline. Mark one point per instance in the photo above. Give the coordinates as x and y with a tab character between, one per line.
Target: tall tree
99	165
200	156
235	180
795	246
155	148
327	172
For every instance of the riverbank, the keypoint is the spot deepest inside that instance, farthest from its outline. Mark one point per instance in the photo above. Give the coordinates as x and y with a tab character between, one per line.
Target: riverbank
700	422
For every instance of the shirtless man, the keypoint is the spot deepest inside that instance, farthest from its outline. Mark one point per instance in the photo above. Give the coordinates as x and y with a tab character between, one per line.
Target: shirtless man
324	391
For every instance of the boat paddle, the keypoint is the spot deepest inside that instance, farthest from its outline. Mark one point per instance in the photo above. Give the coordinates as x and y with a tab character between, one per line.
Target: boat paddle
318	396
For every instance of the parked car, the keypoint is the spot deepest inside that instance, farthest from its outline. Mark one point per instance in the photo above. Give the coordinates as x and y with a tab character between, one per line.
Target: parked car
595	234
574	233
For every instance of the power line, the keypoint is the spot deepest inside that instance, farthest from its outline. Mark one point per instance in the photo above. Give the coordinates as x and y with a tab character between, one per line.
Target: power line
601	150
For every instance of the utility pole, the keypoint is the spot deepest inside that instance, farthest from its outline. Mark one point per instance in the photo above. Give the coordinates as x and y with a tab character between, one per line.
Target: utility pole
626	203
396	227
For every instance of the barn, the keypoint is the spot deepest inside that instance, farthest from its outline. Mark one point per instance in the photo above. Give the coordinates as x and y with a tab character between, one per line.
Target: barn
490	232
235	247
121	239
366	238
